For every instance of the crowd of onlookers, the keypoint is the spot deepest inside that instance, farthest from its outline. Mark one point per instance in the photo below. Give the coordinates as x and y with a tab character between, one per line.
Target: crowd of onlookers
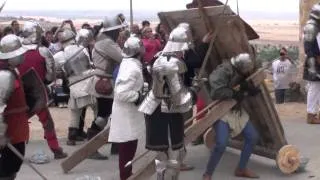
153	39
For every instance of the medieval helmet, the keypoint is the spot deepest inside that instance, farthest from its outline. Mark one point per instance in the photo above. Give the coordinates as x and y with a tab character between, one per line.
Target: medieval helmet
132	47
243	63
315	11
11	47
116	22
187	27
178	41
31	32
67	37
84	37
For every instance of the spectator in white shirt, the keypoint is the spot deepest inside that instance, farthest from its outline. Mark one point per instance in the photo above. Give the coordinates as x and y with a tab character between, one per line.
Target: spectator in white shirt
281	70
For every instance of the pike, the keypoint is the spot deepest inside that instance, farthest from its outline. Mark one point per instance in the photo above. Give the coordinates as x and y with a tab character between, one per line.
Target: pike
209	29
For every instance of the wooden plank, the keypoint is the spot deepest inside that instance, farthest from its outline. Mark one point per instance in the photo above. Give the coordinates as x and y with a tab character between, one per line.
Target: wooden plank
85	151
216	110
258	150
274	118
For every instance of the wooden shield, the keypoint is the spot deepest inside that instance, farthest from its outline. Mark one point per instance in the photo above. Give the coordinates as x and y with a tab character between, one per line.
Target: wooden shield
35	91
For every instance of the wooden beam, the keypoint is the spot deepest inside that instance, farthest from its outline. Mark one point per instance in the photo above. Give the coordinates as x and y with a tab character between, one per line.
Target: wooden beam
258	150
85	151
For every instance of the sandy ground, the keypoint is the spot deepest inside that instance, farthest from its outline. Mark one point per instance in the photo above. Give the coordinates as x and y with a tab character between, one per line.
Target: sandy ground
277	31
292	116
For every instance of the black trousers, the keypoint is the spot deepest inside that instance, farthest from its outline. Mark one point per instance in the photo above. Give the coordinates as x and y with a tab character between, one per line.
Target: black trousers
158	126
104	110
280	95
104	107
10	163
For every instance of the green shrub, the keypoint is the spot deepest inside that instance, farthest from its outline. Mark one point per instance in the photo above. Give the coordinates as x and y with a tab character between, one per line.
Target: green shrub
267	53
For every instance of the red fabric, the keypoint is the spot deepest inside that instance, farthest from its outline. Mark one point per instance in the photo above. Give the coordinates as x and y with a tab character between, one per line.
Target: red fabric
200	105
152	46
32	58
49	130
16	115
127	150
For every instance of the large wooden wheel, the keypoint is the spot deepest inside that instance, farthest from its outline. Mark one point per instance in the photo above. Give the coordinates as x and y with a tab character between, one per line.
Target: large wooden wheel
288	159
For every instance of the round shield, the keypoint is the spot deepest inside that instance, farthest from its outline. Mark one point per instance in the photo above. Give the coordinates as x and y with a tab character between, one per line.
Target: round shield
288	159
209	138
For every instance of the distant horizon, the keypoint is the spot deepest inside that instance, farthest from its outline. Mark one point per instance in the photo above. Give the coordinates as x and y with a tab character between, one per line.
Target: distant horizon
150	15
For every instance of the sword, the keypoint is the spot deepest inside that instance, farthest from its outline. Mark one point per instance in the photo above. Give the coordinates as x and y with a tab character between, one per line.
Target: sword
17	153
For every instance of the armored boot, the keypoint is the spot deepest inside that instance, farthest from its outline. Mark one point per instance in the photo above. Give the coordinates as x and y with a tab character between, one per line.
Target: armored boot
312	119
92	132
72	136
167	169
59	154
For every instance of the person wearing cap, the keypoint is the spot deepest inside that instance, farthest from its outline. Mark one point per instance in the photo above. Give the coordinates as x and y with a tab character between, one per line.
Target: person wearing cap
41	60
127	122
166	103
222	82
106	55
14	126
311	72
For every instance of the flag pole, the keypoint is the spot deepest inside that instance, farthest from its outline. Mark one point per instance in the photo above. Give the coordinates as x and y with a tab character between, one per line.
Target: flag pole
131	14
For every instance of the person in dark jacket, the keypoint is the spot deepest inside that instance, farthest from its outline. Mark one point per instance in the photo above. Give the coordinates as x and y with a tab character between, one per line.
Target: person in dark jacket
222	82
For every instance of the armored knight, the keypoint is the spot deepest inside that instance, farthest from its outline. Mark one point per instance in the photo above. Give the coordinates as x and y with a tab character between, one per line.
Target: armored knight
312	64
165	104
74	64
85	39
14	127
106	55
41	60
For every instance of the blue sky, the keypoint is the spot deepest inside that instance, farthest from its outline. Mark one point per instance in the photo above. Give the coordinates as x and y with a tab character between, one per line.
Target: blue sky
271	6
